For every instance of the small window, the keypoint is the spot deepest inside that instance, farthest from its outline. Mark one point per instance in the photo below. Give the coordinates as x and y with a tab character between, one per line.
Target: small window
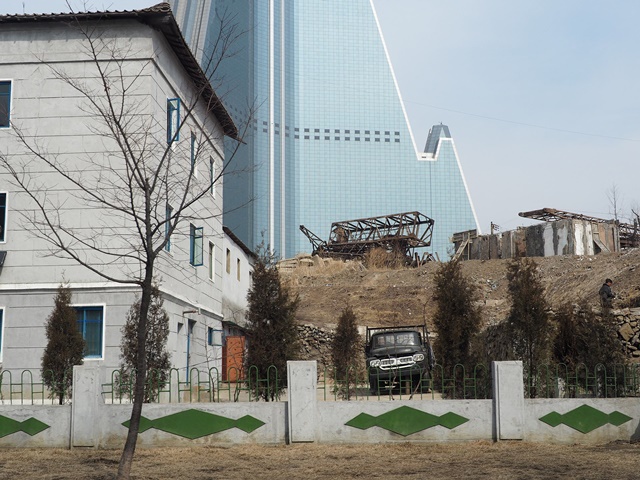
212	261
167	227
90	323
173	120
228	261
1	330
194	154
195	246
238	268
5	103
3	216
211	337
212	177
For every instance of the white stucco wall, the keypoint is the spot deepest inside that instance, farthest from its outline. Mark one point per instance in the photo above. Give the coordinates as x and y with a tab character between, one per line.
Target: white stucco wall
54	116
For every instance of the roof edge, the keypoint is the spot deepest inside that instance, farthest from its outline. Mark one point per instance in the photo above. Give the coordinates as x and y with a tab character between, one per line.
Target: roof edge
159	17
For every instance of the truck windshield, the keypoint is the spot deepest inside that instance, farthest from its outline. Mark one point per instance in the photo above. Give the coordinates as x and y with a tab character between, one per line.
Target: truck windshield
396	339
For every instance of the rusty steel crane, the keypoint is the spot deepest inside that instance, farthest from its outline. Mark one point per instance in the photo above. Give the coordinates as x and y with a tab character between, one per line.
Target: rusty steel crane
402	232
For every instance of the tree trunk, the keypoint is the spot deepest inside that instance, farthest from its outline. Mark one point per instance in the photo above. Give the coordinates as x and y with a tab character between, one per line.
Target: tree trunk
126	460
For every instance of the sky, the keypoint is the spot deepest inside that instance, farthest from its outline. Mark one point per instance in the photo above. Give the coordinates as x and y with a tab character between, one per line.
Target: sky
542	97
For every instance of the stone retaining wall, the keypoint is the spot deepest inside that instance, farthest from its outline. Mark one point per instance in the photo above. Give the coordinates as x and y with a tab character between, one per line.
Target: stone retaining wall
628	320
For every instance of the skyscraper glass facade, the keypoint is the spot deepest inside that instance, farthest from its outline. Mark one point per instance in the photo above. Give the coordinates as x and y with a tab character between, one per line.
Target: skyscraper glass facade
327	137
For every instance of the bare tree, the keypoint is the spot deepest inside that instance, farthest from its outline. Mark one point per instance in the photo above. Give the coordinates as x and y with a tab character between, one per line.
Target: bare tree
615	202
138	193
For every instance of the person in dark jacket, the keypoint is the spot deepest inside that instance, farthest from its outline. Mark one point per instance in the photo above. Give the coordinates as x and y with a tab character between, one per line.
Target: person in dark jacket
606	294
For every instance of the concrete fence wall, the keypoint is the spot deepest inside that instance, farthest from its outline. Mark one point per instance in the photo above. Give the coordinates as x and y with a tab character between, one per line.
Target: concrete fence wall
90	422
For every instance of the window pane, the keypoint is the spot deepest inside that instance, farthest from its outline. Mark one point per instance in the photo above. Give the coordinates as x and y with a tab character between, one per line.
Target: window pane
1	329
173	120
167	227
5	103
3	215
90	324
196	247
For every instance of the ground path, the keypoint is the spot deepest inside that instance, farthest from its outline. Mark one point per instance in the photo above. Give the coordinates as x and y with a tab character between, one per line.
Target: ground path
503	460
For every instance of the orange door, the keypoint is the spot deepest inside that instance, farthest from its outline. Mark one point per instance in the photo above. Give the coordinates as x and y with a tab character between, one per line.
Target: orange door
233	359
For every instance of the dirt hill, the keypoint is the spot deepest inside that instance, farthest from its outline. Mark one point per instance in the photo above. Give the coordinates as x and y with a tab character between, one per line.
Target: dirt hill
404	296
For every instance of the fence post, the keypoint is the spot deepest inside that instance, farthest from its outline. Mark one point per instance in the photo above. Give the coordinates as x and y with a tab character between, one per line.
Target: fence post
508	400
85	405
302	382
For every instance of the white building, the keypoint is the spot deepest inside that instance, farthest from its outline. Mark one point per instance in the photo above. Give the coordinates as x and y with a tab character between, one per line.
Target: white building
171	112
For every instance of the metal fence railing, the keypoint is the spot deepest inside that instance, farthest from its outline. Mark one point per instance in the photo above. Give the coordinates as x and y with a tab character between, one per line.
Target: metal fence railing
20	388
237	385
600	381
457	382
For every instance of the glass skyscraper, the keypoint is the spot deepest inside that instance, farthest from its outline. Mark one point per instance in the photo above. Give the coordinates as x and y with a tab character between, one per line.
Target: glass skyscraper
327	135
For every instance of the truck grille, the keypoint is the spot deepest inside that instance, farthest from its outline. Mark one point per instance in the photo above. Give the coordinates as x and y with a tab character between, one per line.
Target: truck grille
401	362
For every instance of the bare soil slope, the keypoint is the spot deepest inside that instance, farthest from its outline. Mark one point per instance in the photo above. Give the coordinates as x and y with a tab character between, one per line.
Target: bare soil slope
387	297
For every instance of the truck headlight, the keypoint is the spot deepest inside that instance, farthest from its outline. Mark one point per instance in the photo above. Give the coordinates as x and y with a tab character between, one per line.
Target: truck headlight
374	363
418	357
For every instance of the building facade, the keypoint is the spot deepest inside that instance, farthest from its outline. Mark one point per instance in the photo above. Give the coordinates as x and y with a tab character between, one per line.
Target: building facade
52	89
327	137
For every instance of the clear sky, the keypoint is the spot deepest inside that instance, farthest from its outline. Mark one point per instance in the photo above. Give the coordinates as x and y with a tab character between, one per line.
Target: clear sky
542	97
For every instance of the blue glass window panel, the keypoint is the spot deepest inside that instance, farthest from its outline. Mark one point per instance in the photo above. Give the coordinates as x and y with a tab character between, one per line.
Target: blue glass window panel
90	321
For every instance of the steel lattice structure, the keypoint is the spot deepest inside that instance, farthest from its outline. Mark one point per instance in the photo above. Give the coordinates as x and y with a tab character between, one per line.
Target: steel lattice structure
402	232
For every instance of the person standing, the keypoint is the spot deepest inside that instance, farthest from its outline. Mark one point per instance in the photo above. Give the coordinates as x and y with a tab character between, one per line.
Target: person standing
606	294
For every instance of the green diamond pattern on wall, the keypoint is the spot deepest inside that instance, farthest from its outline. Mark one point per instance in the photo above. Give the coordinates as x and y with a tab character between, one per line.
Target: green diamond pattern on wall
30	426
196	423
585	419
406	421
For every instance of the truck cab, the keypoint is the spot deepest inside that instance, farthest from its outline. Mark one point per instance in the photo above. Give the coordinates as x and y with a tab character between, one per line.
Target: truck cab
398	357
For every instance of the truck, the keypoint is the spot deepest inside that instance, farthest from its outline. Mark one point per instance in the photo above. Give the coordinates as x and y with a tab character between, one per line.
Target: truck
398	357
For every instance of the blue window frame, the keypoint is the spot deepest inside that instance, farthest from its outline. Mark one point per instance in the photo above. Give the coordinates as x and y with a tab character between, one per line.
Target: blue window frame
195	246
90	321
1	329
173	120
194	153
3	216
210	336
167	227
212	177
5	103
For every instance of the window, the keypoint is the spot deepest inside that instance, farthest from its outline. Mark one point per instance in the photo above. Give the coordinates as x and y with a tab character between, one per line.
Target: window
194	154
3	216
5	103
1	329
238	269
228	261
195	246
173	120
212	177
212	261
211	336
167	227
90	322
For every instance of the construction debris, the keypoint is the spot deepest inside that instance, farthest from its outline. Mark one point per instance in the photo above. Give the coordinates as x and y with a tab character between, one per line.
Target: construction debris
563	233
401	232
